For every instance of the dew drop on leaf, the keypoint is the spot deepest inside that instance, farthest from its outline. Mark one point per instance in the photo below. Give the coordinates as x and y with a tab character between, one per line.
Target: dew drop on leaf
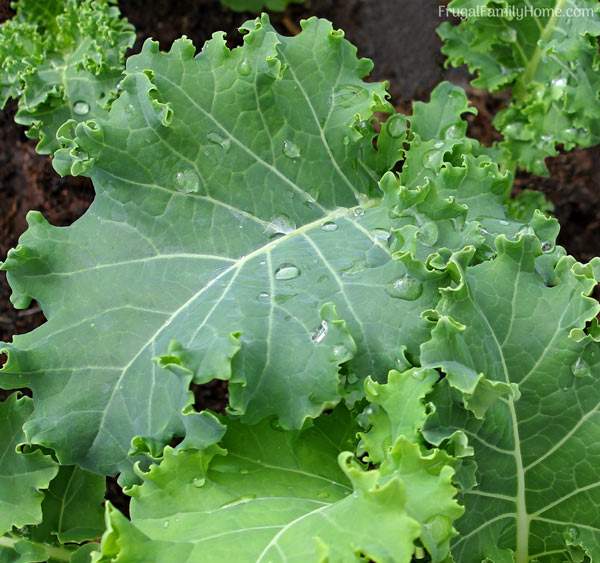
428	234
396	126
199	482
264	296
320	333
509	34
382	235
432	159
406	288
244	67
358	211
219	140
330	226
580	368
287	272
547	246
453	132
291	150
187	181
558	87
280	225
439	144
341	353
81	108
166	524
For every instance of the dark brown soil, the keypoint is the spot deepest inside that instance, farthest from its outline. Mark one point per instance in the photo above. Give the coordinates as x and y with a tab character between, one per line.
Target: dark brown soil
398	35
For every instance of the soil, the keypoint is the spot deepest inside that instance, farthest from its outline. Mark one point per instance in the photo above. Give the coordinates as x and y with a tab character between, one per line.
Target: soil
399	37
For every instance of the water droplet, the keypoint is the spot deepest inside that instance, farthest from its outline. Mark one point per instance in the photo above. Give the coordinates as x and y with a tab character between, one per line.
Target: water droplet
355	268
244	67
330	226
341	353
453	132
287	272
396	126
310	201
432	159
81	108
291	150
428	233
358	211
382	235
559	84
166	524
547	246
280	225
406	287
580	368
244	471
504	223
509	34
350	95
439	144
264	296
199	482
216	139
320	333
187	181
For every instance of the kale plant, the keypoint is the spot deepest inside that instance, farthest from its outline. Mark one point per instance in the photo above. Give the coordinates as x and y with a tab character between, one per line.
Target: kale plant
62	60
412	365
548	56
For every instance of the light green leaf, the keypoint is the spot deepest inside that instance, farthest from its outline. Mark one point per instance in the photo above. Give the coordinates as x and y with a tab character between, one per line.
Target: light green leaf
23	474
536	452
62	60
550	61
386	421
278	495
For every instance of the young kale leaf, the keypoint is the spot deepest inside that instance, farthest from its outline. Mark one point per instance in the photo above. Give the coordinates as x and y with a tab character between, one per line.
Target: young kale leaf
277	495
549	59
62	60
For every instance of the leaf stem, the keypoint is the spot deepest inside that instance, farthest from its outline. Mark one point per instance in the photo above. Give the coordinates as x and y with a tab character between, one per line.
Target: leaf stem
532	67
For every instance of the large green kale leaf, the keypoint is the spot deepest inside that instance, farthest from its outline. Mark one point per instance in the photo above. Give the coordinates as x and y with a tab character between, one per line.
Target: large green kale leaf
62	60
537	478
274	495
235	236
549	60
212	247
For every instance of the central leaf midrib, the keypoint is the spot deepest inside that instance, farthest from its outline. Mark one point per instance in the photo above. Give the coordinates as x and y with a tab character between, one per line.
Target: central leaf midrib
521	516
332	216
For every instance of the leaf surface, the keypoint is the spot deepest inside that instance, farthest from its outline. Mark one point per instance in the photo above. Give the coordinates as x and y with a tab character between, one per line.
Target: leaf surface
276	495
22	475
536	454
213	248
